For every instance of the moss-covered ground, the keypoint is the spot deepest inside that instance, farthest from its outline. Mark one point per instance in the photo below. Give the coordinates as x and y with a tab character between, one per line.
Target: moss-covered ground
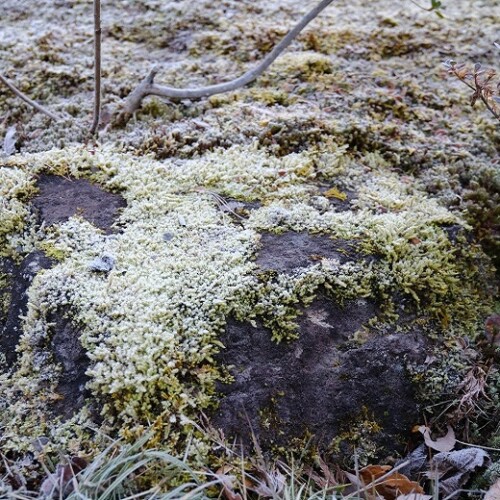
359	109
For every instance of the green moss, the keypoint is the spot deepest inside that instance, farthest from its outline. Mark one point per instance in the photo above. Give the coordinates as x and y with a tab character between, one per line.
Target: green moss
17	186
4	296
52	252
304	66
359	435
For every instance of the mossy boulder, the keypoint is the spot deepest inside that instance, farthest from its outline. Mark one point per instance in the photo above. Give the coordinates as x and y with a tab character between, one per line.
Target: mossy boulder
239	258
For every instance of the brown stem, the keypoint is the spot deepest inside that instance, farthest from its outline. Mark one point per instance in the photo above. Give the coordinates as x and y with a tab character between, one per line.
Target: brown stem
148	87
475	89
97	66
27	100
485	101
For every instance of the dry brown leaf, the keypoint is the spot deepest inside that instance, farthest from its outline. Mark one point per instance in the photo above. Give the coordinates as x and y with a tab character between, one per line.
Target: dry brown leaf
473	388
389	488
269	484
396	485
61	482
492	329
369	473
443	444
326	480
494	492
227	481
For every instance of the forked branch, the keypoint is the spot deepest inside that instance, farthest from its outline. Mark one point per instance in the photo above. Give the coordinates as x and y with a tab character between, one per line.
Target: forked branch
148	87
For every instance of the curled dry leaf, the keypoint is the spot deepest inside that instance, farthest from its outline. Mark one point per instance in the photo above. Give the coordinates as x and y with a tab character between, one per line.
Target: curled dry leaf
451	470
61	482
414	462
390	488
267	483
442	444
324	480
227	481
473	388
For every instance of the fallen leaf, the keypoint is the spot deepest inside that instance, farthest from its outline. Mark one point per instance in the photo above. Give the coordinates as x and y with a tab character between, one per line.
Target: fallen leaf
371	472
397	484
9	142
326	480
492	329
61	481
227	481
269	484
443	444
494	492
415	462
473	388
394	485
451	470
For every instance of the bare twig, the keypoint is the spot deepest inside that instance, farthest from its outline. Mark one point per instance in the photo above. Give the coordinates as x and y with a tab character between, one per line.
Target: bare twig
27	100
148	87
97	66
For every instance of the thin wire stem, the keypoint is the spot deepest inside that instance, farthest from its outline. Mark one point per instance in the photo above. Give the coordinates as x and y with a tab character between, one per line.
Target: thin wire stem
97	66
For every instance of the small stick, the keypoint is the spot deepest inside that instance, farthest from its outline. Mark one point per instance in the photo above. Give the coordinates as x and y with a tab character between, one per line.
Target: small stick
27	100
97	66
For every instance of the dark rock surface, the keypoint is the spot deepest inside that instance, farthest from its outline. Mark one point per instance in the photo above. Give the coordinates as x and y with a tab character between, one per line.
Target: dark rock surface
70	354
289	251
19	279
319	383
60	198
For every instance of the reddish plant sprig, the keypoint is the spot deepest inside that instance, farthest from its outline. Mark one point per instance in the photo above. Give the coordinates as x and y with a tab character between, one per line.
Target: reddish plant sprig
480	81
